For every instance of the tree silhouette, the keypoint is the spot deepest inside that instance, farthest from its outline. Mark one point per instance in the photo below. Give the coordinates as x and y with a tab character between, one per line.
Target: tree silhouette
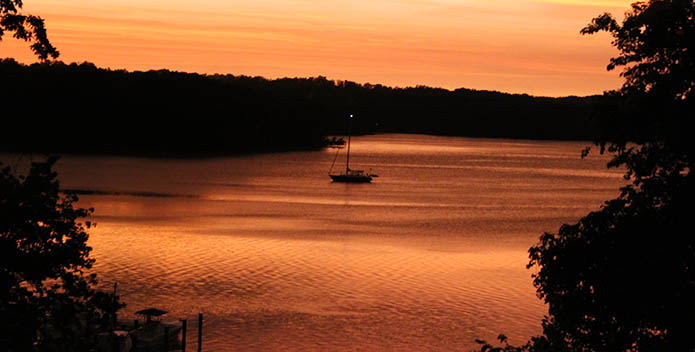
169	113
623	278
47	296
29	28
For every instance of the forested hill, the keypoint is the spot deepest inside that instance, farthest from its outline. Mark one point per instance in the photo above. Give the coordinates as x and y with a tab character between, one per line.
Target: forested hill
80	108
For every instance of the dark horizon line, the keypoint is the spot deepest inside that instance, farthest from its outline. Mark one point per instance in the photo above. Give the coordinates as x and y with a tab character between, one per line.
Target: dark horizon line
335	81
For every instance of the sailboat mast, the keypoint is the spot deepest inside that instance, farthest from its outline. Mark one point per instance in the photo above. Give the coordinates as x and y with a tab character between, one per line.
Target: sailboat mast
347	164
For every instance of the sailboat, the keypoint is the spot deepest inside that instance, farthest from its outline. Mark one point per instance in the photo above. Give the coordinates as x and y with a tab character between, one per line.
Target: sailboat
350	175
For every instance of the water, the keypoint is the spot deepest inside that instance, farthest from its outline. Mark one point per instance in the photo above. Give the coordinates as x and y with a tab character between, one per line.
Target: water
429	256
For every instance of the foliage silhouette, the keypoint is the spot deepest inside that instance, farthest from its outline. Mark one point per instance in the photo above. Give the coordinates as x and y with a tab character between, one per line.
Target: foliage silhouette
487	347
29	28
47	297
173	113
623	277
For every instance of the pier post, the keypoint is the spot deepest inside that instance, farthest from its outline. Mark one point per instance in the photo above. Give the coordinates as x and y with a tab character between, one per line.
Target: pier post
184	324
166	339
115	343
200	332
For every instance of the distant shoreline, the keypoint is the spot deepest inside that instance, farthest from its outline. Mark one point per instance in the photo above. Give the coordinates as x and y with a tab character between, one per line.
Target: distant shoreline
83	109
185	156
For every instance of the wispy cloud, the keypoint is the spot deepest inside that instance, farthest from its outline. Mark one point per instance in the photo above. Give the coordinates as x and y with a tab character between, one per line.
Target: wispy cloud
452	43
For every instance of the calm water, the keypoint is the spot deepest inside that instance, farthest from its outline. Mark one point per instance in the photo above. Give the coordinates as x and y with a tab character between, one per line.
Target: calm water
429	256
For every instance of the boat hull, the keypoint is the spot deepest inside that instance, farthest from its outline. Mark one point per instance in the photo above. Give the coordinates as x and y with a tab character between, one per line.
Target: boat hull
351	178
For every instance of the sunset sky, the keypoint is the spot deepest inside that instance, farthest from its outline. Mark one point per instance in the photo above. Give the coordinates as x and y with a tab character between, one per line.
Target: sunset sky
517	46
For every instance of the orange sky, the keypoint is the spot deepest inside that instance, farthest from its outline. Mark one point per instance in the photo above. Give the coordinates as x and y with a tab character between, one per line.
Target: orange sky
518	46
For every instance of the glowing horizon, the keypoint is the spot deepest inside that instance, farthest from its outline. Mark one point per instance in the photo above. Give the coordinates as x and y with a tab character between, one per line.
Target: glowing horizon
527	46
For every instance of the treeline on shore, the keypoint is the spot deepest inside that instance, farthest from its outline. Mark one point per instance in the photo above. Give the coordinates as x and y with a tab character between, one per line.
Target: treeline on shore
80	108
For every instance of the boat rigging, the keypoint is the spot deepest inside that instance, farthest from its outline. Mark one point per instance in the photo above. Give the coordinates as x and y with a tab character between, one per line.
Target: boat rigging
350	176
